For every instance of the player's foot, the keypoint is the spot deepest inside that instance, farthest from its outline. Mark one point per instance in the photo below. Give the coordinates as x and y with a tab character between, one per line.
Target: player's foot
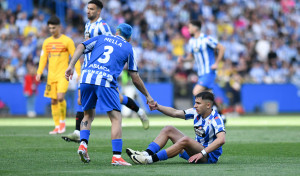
119	162
144	118
55	131
62	127
83	153
141	159
130	152
72	137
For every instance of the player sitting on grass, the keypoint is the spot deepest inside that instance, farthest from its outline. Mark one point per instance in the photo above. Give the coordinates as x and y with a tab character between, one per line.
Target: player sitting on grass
209	129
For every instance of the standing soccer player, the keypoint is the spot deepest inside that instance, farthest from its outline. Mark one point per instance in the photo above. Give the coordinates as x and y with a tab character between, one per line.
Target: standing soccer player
94	27
98	81
202	49
56	50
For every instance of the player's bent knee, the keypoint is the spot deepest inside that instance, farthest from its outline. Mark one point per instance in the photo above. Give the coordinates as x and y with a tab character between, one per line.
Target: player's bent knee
168	129
184	140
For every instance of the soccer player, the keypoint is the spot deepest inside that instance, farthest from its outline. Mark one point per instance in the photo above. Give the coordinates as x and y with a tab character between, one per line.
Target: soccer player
94	27
202	49
98	81
209	130
56	50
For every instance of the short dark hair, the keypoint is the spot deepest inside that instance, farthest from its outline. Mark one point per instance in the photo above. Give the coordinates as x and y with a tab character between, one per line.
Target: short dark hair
54	20
196	23
206	96
97	3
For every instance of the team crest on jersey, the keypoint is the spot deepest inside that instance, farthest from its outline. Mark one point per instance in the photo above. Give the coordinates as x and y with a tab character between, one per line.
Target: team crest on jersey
53	47
196	50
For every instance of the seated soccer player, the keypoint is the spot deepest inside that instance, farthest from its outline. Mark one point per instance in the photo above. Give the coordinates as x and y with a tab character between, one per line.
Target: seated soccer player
205	148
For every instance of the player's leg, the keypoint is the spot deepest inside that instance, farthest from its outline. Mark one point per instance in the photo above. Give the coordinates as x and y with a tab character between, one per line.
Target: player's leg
109	101
85	128
51	92
75	136
55	115
130	103
88	100
62	105
168	132
190	145
198	89
62	87
116	138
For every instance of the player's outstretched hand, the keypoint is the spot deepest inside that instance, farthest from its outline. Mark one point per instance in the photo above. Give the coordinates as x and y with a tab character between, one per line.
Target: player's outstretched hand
180	59
69	73
214	66
195	158
153	106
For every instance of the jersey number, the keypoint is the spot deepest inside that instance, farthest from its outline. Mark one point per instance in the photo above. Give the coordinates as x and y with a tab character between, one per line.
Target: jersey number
106	54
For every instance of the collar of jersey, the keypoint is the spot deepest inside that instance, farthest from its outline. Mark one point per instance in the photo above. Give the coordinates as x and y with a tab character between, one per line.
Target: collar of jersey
99	19
121	37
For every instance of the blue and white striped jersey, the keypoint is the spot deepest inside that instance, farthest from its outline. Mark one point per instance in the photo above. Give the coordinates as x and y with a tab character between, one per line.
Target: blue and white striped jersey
109	54
99	27
203	50
212	125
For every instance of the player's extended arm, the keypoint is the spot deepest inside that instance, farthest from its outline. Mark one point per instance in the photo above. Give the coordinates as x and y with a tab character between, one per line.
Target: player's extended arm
213	146
139	84
78	52
71	49
171	111
78	68
189	58
42	62
217	143
221	51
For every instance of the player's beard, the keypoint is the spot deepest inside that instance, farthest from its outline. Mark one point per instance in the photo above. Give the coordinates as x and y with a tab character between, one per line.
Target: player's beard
91	18
192	35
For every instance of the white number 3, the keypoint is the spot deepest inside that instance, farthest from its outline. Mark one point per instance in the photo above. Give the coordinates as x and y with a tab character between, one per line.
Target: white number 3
106	54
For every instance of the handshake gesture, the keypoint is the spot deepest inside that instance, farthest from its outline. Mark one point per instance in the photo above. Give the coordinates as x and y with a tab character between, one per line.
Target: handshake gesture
153	105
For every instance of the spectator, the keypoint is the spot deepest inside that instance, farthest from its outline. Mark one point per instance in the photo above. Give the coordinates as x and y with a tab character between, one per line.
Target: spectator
30	89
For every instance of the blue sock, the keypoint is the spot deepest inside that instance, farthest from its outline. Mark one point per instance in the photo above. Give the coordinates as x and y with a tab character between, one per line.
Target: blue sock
125	100
153	147
117	146
162	155
85	135
184	155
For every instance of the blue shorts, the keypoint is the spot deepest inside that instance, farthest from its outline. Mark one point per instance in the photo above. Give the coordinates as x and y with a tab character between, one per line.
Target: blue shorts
79	108
207	80
108	97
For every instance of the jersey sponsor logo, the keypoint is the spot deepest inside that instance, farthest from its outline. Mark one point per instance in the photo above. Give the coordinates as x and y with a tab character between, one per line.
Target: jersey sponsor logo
100	67
196	50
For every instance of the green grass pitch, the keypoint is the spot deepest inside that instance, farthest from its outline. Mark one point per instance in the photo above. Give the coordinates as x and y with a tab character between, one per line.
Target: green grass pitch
254	146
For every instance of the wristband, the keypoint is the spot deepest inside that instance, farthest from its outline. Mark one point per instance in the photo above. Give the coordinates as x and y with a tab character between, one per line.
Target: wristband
203	152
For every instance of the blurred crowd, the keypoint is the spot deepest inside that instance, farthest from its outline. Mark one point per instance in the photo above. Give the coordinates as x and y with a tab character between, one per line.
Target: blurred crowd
261	38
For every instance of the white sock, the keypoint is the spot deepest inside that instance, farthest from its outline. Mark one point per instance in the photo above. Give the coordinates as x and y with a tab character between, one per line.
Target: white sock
117	156
145	153
149	158
77	132
140	112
